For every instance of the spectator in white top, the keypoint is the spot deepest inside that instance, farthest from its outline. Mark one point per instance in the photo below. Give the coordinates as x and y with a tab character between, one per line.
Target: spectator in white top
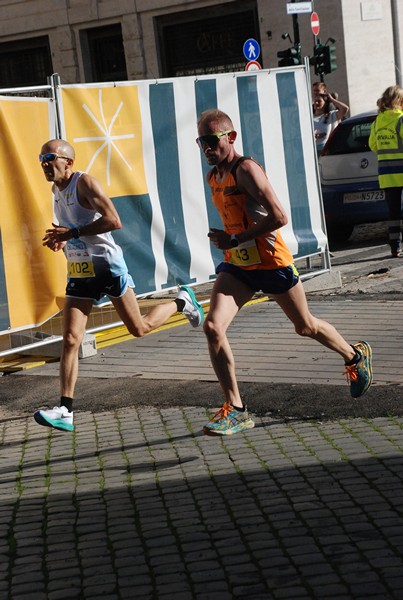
328	111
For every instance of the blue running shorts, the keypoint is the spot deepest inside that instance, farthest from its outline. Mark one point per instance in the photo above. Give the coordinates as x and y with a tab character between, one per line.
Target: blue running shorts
268	281
95	287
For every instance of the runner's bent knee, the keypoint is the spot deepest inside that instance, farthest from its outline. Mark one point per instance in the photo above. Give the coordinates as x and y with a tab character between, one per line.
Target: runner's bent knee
72	339
214	330
306	328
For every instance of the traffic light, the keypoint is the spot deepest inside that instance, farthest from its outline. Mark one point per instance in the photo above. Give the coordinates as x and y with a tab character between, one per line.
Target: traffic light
290	57
323	59
330	59
318	59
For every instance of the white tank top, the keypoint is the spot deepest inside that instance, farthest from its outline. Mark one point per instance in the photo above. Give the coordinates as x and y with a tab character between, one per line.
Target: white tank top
89	255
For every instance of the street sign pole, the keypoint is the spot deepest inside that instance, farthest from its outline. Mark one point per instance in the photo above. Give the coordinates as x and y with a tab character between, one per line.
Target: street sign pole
295	26
315	28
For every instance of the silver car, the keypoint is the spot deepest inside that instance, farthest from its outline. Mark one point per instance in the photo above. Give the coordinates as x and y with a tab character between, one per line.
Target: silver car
349	178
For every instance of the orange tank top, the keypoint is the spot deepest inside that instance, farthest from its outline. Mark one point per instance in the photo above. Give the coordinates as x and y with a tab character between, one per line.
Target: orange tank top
239	212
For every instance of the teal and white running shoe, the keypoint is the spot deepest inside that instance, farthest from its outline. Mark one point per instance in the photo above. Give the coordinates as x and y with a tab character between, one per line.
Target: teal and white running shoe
58	417
192	309
228	420
360	375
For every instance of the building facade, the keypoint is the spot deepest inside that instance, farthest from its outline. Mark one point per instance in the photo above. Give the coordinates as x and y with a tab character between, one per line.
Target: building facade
104	40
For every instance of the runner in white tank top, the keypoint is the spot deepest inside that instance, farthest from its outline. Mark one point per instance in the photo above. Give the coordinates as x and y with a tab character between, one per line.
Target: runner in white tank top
99	252
85	217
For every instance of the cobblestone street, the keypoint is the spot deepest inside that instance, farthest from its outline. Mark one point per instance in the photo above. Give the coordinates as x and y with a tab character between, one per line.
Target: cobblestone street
137	504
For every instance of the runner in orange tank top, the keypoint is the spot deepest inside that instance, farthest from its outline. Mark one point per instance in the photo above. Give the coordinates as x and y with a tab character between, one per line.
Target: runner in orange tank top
255	259
239	212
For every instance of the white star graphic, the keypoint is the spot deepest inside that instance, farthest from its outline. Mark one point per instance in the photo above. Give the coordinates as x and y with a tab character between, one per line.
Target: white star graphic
107	138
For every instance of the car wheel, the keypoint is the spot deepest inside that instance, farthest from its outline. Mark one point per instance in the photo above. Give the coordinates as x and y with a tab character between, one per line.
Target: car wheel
339	232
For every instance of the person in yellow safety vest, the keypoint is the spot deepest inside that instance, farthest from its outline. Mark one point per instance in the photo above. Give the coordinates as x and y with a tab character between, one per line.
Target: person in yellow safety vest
386	139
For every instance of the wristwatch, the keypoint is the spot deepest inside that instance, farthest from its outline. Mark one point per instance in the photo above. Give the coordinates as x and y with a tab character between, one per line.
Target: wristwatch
234	241
75	233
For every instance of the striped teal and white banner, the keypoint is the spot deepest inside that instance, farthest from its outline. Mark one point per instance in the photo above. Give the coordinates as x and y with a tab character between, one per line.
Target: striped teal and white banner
138	139
167	216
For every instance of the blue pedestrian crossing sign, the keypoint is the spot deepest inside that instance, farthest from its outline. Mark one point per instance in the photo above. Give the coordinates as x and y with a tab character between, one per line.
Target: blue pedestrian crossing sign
251	49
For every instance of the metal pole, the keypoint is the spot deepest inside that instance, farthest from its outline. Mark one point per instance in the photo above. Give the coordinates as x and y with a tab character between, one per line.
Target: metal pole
297	39
55	81
325	256
296	29
396	42
295	26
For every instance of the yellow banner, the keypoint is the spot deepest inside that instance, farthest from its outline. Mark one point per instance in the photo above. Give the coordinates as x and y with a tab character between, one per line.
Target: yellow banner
35	276
104	126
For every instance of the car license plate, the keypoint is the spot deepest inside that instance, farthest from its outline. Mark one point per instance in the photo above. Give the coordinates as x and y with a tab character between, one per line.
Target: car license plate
370	196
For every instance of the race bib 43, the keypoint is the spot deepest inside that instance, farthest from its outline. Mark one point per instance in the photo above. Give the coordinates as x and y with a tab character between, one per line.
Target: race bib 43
245	254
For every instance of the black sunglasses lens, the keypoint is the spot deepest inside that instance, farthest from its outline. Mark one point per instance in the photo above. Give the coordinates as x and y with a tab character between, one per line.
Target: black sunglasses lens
210	141
49	157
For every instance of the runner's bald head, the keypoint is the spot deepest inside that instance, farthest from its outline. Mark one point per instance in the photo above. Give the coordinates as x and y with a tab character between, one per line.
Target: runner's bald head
61	147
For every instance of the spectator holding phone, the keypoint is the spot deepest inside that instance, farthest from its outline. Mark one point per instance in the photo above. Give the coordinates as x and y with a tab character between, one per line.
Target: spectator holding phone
328	111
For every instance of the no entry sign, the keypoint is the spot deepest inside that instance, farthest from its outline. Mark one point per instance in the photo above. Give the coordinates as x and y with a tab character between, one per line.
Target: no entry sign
253	65
315	26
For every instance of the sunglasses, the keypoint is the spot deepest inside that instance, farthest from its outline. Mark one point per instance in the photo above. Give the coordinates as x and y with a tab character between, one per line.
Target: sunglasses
50	157
212	140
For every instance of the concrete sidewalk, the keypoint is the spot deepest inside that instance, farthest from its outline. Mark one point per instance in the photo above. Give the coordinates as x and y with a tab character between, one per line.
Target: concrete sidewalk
265	347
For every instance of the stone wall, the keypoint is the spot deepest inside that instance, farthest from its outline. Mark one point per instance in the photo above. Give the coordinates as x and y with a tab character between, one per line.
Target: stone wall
365	53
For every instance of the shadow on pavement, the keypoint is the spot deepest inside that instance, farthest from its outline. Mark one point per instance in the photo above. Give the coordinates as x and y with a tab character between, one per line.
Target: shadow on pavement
186	530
